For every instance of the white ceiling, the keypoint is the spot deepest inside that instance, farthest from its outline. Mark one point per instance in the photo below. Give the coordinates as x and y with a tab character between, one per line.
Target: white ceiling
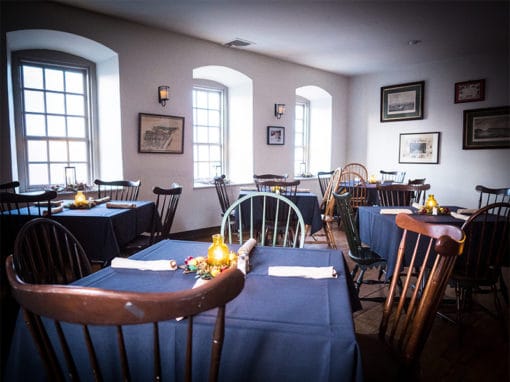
345	37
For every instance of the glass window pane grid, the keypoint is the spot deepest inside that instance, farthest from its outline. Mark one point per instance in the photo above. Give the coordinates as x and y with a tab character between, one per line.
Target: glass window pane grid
301	138
207	132
60	134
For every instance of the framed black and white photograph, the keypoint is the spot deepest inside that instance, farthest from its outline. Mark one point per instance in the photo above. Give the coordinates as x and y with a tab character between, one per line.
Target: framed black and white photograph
402	102
419	148
470	91
162	134
487	128
275	135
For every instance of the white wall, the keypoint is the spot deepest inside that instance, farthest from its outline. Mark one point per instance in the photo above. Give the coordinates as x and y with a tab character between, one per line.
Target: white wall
149	57
453	180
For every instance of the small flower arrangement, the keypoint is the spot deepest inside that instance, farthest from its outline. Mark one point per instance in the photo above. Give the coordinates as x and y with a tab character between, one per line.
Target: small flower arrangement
203	269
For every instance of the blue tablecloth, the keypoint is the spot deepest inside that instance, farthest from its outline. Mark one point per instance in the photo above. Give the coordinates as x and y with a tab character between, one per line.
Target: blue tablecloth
101	231
277	329
308	205
381	233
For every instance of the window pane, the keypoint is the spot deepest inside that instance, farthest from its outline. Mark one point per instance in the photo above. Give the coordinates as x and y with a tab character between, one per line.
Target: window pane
201	117
54	79
32	77
203	153
201	99
81	172
203	170
57	173
34	101
76	127
56	126
55	103
214	100
214	135
37	151
215	153
58	151
37	174
75	105
74	82
214	118
202	134
34	125
78	151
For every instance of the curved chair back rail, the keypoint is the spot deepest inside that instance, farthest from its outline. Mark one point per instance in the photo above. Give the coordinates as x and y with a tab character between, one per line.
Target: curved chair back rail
269	177
272	219
9	186
118	189
12	203
221	190
46	252
287	188
392	176
486	251
492	195
401	194
167	200
323	177
355	184
417	181
92	306
413	297
357	168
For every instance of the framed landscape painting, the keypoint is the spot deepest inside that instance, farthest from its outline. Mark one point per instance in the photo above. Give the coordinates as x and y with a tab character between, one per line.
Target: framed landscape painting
402	102
419	148
161	134
487	128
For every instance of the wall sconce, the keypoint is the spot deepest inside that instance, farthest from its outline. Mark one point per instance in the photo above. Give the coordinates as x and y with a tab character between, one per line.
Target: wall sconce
163	94
279	109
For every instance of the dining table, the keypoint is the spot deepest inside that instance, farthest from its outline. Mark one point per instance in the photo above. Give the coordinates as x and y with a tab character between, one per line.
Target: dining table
307	203
277	329
103	230
380	232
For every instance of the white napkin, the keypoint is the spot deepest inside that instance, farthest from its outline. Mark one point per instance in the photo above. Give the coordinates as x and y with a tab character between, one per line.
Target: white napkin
247	247
467	211
416	205
303	190
54	211
120	205
144	265
102	200
395	211
306	272
456	215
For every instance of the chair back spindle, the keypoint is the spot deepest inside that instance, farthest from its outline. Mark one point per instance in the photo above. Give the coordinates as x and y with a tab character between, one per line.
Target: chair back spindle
118	189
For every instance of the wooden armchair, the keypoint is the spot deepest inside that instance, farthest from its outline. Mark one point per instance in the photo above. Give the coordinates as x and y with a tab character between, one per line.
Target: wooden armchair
221	190
392	176
32	204
412	301
118	189
492	195
358	168
46	252
9	186
323	178
89	307
401	194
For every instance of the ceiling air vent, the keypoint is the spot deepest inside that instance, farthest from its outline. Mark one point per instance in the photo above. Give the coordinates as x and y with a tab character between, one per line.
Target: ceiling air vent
237	43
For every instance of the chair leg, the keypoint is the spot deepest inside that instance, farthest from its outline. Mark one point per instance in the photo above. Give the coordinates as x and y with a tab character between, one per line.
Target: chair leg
359	280
503	288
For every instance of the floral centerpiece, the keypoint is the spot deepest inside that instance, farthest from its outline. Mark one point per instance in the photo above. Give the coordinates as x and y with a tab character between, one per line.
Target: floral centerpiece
203	269
432	207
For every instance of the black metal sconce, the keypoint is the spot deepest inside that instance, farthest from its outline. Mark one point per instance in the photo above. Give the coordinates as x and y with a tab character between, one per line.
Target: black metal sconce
279	109
163	94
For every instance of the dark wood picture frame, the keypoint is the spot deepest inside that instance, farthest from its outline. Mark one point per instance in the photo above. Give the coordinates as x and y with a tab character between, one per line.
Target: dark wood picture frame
275	135
419	148
487	128
402	102
160	134
470	91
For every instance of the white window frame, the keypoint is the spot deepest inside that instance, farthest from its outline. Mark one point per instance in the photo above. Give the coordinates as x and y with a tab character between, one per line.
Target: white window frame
212	86
302	142
57	60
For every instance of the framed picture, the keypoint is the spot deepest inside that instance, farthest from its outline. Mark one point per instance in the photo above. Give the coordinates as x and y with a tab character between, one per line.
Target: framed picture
275	135
419	148
487	128
162	134
470	91
402	102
